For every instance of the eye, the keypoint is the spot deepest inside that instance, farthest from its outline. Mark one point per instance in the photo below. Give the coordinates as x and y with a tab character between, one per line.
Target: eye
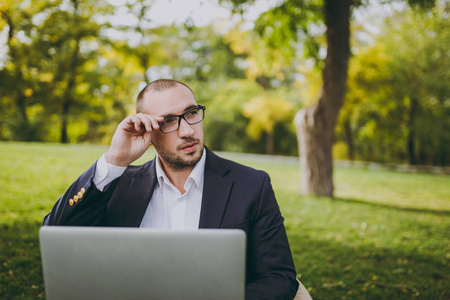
192	113
168	121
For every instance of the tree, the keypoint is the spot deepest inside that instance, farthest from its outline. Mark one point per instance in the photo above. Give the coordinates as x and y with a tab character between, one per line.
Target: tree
274	105
68	29
264	112
371	121
51	48
316	123
420	68
17	71
395	108
149	45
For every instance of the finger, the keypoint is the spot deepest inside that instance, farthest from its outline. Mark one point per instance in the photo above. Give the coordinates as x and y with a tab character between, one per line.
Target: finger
147	136
147	122
134	122
155	121
151	122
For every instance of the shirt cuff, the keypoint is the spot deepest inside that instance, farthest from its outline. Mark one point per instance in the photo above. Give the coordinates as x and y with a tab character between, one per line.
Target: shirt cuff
105	173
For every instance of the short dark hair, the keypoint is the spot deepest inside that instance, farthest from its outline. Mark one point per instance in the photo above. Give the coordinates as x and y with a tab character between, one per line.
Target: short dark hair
158	86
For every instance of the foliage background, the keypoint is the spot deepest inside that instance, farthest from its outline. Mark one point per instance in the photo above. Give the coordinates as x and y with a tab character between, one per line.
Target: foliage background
69	73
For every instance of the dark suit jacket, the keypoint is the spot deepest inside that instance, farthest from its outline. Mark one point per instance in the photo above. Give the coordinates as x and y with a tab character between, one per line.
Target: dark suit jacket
234	196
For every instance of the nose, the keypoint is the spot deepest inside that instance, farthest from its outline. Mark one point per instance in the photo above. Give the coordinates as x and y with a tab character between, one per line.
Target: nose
185	129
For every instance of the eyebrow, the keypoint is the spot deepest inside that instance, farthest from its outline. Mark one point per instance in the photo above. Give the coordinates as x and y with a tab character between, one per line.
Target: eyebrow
185	110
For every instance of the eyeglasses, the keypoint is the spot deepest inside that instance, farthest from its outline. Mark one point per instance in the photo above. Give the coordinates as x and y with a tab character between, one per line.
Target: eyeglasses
192	116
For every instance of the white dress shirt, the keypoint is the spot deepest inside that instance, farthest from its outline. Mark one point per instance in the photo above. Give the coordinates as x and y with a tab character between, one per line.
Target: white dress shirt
168	208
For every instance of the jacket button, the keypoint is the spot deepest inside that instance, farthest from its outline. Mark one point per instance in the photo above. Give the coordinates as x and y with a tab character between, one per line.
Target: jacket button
71	202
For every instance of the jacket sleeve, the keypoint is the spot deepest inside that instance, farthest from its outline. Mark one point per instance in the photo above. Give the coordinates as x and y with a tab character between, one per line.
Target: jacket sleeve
270	264
82	204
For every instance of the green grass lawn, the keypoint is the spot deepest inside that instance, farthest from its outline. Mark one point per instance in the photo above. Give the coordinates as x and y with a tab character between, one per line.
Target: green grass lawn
385	236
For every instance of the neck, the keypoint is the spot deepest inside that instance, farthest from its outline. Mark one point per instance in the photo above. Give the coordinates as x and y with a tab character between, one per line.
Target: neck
177	176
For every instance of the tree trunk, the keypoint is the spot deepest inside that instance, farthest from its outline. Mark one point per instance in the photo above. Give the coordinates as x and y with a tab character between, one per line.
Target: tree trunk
315	124
349	140
411	134
270	144
68	93
21	104
20	97
67	100
64	137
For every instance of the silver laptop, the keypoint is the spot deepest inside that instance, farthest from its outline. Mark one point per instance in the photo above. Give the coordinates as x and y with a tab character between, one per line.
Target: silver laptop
133	263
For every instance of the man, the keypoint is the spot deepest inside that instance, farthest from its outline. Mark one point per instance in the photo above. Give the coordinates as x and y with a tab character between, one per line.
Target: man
185	187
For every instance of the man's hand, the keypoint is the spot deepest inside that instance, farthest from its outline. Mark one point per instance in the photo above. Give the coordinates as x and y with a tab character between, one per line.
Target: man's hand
132	139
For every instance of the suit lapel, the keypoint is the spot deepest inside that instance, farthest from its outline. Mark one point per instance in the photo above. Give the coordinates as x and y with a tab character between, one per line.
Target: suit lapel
216	191
139	195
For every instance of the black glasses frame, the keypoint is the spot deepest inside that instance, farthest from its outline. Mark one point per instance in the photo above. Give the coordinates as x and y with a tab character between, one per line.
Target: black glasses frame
202	107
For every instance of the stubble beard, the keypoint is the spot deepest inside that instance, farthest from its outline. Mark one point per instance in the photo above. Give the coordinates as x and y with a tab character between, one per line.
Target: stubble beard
176	162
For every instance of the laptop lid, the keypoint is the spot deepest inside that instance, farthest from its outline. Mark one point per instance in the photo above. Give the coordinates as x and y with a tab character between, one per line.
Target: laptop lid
134	263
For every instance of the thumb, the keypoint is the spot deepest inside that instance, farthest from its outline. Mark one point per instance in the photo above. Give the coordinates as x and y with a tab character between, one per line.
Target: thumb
148	137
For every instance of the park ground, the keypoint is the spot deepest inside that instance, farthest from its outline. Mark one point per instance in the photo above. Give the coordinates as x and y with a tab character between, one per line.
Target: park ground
385	235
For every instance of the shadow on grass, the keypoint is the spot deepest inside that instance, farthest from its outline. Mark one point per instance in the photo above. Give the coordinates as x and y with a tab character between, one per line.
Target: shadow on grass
20	262
334	270
385	205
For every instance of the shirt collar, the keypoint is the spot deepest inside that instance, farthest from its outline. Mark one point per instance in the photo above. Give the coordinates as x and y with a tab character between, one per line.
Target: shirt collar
197	175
